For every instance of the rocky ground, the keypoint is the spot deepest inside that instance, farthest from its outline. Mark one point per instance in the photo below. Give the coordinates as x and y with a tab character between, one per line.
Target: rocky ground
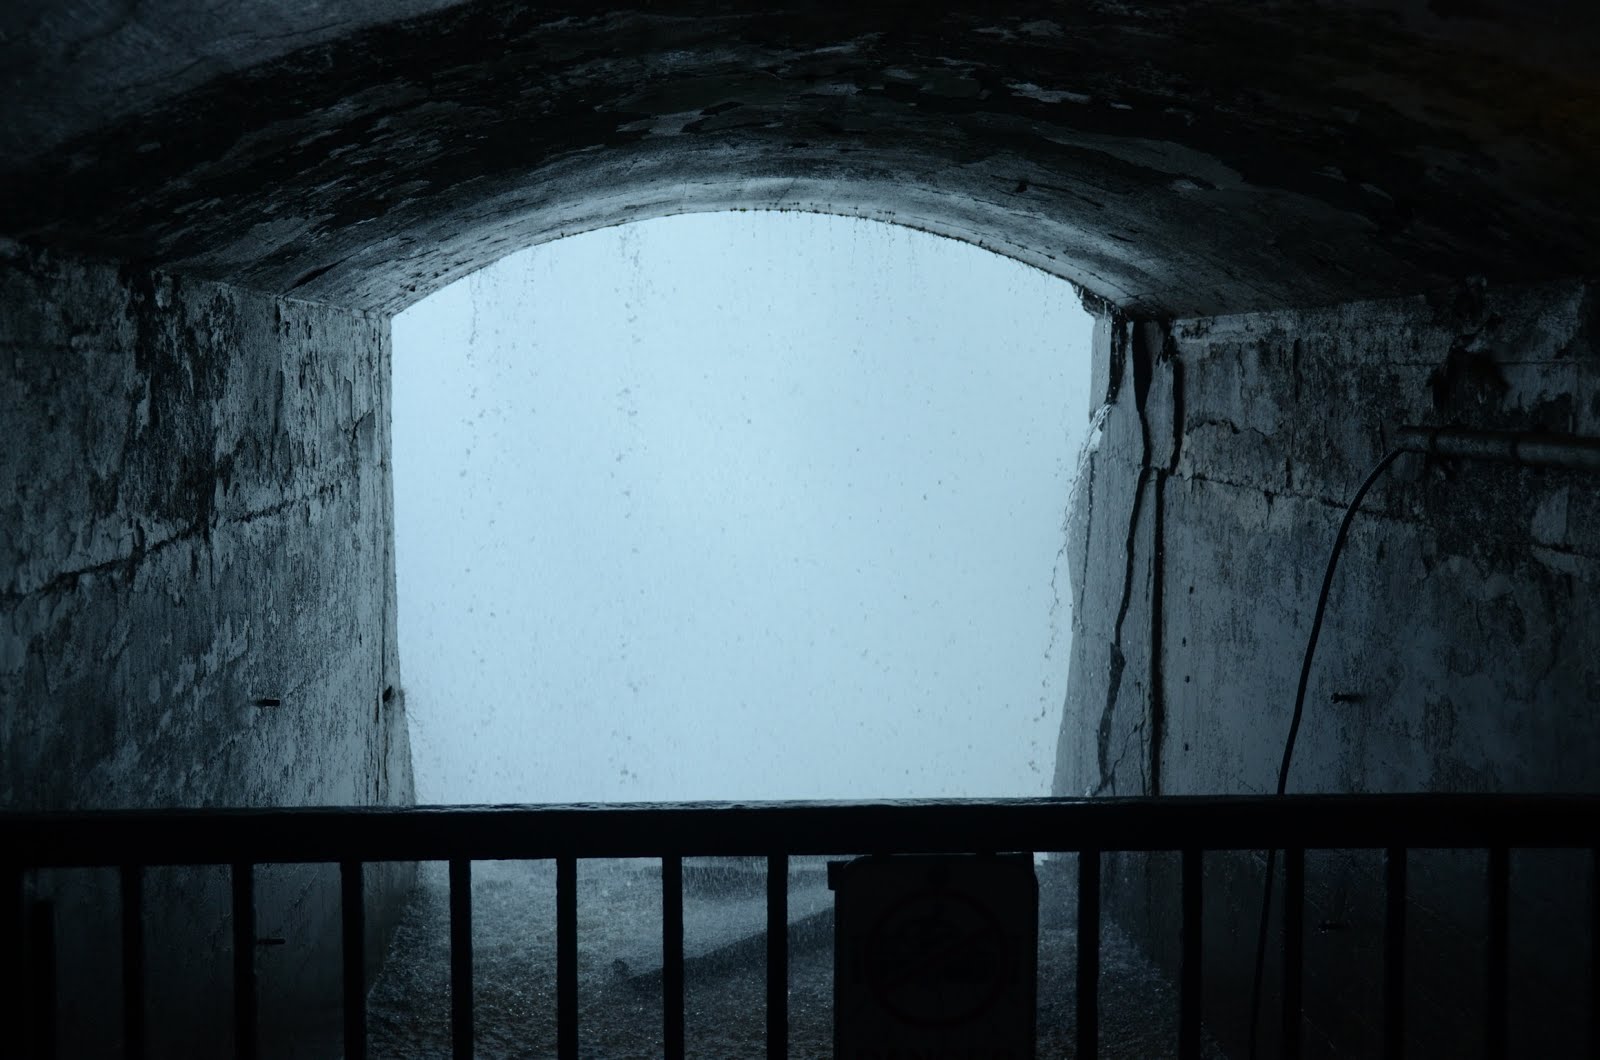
619	926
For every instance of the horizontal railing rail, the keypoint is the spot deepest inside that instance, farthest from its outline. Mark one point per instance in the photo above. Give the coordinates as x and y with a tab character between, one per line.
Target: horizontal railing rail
133	840
931	826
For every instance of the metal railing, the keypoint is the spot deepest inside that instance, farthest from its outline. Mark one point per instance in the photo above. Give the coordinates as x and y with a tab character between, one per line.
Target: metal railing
1191	826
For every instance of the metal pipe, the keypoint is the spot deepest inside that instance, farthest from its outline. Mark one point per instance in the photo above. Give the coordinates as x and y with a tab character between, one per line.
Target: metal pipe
1529	448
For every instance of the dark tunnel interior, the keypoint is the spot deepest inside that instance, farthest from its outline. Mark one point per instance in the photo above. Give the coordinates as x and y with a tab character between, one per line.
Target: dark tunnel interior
1301	228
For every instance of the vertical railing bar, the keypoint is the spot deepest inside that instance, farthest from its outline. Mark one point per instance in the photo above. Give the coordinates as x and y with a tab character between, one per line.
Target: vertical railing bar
1498	978
778	957
672	1030
1192	982
1594	954
1088	954
42	976
244	961
133	988
13	976
567	958
1294	940
353	918
461	1014
1394	953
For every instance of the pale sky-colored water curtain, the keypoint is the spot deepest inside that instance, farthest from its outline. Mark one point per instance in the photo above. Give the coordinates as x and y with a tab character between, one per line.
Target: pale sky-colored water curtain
737	506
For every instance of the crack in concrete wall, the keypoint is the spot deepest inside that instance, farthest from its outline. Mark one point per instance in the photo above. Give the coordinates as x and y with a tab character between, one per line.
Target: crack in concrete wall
1107	707
128	565
1456	656
196	516
1108	769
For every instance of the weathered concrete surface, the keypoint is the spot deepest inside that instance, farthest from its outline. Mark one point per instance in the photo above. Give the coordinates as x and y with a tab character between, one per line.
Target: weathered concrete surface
1459	652
195	518
1458	639
196	511
193	509
71	67
1176	158
1106	726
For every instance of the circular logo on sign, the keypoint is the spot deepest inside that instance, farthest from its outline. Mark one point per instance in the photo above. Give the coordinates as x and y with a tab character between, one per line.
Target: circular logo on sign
938	958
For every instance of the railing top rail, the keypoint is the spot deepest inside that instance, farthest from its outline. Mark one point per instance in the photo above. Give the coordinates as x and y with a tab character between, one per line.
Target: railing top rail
425	833
202	836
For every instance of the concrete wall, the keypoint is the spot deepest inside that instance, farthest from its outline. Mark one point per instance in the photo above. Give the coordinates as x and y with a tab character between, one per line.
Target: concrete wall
196	517
1457	653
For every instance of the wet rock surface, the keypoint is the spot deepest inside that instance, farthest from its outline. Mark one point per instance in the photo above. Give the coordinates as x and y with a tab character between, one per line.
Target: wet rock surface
619	990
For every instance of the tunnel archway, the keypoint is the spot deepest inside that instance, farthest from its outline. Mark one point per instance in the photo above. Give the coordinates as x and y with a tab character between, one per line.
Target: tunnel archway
207	216
1133	149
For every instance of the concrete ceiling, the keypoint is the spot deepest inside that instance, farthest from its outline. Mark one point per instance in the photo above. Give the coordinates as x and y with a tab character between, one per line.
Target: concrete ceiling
1182	158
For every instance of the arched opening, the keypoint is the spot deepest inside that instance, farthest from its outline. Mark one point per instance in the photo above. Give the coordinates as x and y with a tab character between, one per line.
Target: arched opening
740	505
211	213
735	506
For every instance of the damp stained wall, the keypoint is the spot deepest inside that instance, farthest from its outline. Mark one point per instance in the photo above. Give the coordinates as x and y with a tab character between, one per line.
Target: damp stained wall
1182	160
1458	654
196	519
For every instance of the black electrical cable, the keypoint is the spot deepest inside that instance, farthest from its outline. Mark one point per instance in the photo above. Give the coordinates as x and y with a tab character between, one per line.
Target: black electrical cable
1322	607
1294	723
